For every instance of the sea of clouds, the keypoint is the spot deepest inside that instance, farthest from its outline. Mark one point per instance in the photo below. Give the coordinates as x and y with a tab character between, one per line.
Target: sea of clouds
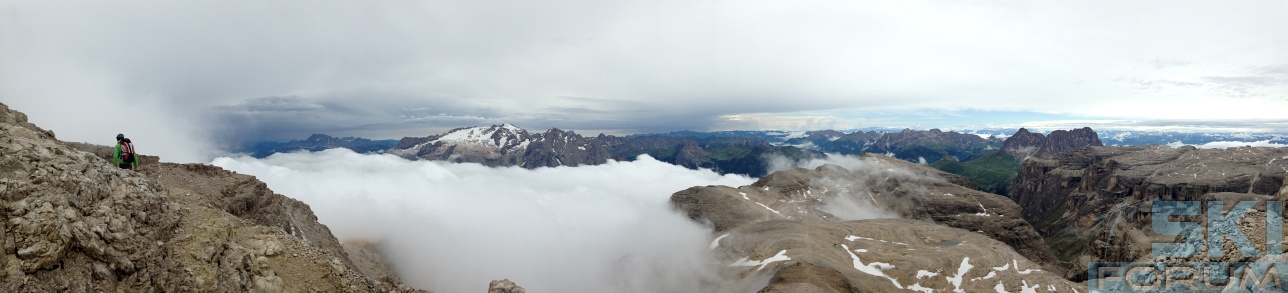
454	227
1229	144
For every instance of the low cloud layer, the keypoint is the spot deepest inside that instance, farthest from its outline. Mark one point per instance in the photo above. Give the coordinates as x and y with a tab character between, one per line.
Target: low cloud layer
454	227
1230	144
863	187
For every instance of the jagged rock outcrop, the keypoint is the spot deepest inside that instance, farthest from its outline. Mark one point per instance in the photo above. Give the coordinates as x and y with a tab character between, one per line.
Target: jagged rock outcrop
368	260
692	156
1024	144
831	229
557	147
73	222
504	286
18	119
250	199
1094	204
105	152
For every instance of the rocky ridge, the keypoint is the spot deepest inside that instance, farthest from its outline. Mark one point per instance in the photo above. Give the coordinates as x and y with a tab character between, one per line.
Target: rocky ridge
314	143
73	222
1094	204
724	152
509	145
1024	144
911	145
504	145
881	226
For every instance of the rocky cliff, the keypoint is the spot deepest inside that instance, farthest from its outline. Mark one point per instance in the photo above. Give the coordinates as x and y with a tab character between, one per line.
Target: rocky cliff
73	222
1094	204
1024	144
882	225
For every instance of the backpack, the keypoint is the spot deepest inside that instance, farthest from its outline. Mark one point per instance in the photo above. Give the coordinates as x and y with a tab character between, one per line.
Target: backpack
127	151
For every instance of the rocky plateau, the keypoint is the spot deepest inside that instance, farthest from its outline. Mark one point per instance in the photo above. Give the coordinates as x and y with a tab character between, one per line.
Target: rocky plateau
918	230
1095	204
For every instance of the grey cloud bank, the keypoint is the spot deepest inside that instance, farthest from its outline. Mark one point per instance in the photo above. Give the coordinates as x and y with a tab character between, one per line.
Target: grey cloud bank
185	75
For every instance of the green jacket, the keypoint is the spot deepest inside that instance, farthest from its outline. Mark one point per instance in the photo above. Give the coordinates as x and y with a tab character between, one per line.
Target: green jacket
118	155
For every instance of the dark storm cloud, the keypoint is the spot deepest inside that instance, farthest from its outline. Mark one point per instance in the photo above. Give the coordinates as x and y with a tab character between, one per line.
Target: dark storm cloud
294	117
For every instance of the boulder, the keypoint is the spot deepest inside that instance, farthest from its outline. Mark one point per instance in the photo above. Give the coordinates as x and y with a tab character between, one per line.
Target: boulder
503	286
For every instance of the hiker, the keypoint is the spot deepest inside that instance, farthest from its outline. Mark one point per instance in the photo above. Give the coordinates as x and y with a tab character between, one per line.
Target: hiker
124	156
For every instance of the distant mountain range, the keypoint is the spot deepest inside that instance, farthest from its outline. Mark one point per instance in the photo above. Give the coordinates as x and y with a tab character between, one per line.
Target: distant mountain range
977	154
1133	138
508	145
316	142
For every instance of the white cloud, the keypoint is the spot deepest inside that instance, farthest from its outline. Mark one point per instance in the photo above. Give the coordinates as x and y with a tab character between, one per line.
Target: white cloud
856	189
784	121
1230	144
454	227
1177	125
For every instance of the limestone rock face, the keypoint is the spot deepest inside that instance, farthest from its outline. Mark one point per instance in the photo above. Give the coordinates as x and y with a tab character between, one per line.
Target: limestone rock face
63	207
367	260
1025	144
1094	204
250	199
19	119
692	156
105	153
503	286
72	222
872	227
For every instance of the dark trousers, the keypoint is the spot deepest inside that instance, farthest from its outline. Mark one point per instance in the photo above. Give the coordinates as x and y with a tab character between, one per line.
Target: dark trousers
125	165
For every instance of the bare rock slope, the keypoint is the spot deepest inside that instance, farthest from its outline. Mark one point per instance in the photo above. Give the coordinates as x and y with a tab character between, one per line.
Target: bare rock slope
73	222
881	226
1095	204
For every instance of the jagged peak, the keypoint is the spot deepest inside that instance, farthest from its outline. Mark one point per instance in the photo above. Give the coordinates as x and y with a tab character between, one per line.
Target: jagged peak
510	127
319	136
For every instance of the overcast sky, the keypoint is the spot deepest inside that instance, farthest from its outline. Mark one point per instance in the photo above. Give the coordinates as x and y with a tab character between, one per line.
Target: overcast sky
197	70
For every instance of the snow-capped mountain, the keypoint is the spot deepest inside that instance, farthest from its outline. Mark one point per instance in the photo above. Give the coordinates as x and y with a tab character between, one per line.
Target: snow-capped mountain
509	145
505	136
505	145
